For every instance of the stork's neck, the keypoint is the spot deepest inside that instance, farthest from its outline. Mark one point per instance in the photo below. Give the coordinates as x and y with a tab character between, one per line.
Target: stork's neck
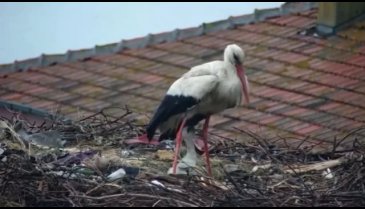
230	70
229	63
226	56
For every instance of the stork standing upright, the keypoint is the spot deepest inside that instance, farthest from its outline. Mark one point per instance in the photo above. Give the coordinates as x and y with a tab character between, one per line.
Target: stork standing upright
204	90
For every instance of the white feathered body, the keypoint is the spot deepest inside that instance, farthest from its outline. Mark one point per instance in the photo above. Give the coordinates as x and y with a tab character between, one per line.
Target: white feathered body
204	90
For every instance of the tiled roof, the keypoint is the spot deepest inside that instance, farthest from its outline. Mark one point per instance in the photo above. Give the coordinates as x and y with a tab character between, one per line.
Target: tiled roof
303	86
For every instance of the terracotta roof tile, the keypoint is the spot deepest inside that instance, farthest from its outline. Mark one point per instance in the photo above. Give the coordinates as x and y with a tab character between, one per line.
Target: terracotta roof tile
12	96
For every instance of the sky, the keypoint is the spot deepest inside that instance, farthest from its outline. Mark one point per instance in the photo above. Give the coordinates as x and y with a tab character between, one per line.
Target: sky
29	29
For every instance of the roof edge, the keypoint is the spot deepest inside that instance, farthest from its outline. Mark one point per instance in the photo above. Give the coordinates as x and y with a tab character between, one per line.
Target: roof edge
25	109
178	34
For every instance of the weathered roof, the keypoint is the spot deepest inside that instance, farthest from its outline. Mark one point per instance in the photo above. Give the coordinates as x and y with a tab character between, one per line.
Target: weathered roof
302	85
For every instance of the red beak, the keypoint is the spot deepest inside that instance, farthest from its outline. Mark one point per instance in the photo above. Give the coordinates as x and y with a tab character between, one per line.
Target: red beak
241	75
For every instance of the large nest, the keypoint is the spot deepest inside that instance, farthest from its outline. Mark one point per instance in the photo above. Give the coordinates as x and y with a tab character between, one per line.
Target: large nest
254	174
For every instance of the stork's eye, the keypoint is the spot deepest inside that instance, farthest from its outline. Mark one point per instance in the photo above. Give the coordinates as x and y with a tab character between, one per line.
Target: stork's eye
236	59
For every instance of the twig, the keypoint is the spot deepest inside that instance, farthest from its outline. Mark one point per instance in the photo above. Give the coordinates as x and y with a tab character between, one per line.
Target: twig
135	195
317	166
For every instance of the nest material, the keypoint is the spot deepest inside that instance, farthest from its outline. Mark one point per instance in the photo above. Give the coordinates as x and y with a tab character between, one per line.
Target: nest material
253	175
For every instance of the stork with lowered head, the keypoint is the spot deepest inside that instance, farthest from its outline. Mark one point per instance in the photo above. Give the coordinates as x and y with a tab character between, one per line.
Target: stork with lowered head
205	90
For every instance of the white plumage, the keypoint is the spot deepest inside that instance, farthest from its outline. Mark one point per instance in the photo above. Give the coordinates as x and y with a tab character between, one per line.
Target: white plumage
204	90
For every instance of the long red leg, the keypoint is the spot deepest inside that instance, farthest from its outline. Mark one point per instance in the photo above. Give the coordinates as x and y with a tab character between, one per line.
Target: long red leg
205	139
177	146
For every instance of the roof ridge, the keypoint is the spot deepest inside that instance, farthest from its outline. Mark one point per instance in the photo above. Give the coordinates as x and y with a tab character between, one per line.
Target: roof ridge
175	35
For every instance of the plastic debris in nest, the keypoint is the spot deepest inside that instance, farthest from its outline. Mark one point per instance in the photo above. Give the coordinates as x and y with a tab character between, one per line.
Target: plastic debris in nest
74	158
118	174
2	158
5	128
328	174
52	138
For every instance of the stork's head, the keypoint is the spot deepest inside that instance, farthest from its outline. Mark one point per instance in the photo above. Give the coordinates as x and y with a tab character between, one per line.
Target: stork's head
235	56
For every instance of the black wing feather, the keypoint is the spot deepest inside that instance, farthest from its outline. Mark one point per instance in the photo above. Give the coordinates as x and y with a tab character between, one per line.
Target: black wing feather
171	105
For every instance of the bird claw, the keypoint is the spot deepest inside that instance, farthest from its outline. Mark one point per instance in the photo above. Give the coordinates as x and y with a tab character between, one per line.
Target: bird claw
141	140
181	171
199	144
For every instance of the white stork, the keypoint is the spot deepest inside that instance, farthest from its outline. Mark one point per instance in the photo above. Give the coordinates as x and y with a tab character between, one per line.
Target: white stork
204	90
